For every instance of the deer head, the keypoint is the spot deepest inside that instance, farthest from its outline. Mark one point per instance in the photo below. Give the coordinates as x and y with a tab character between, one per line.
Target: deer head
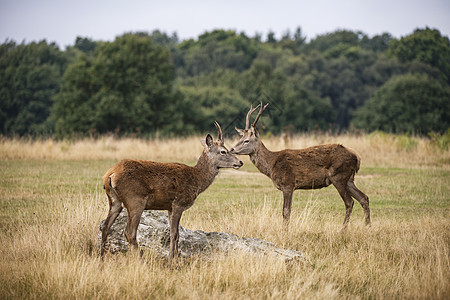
218	154
249	136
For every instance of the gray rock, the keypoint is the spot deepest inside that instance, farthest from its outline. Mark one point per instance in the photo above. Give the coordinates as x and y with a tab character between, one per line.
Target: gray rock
153	233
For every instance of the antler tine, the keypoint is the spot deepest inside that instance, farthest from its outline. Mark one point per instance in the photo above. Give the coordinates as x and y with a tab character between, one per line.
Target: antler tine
220	138
247	120
260	112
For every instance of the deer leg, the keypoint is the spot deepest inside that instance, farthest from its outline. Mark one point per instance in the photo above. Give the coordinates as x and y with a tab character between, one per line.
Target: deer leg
348	200
287	195
174	217
361	198
134	217
115	207
169	214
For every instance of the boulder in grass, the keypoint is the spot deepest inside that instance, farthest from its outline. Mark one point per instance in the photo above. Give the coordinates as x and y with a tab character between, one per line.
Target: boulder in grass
153	233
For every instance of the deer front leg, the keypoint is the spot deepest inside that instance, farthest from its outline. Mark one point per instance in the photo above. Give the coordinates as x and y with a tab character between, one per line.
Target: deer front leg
287	195
174	217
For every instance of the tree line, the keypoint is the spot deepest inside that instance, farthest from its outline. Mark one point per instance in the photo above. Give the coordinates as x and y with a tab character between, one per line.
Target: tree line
154	84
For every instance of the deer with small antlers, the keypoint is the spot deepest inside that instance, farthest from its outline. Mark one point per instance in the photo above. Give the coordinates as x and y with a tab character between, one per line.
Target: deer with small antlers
138	185
310	168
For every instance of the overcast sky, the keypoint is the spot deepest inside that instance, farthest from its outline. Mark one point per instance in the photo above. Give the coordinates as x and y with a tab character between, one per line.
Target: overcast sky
61	21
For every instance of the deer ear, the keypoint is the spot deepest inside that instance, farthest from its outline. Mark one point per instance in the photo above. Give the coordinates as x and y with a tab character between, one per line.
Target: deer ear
209	140
254	131
240	131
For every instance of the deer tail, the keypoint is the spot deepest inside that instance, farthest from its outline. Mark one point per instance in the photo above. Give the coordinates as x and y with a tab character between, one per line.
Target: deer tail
107	182
358	163
110	189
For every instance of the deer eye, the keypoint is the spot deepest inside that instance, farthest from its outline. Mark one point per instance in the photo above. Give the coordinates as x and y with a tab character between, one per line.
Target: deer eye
246	141
223	152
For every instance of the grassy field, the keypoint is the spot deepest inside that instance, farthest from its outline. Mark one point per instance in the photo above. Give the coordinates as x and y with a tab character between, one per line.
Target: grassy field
51	201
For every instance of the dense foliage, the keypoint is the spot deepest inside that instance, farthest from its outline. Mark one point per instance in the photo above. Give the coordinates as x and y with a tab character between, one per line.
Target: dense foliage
30	77
124	87
143	83
407	103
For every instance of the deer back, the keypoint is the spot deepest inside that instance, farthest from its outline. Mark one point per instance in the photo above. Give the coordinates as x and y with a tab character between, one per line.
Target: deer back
311	167
160	184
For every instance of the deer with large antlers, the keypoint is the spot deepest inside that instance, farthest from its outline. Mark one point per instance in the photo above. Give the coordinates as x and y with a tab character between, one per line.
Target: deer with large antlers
140	184
310	168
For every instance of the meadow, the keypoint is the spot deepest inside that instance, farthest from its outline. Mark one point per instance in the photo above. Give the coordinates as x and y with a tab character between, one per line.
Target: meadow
52	200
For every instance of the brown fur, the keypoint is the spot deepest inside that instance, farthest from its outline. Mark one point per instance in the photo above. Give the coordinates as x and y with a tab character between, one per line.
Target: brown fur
138	185
310	168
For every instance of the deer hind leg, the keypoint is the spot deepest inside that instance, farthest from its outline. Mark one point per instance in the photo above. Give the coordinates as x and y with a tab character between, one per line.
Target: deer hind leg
174	220
361	198
346	196
134	217
287	204
115	207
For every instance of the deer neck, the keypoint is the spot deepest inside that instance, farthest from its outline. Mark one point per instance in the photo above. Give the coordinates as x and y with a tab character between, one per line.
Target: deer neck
263	158
206	171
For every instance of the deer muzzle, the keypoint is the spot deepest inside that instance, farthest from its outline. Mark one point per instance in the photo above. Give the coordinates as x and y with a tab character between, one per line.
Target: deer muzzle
237	166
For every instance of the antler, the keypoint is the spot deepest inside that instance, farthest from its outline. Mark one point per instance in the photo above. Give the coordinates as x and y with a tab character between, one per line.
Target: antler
220	138
260	112
247	120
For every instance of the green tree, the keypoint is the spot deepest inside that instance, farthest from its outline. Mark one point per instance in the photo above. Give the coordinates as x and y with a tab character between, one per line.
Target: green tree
427	46
272	78
324	42
29	79
262	82
345	67
293	42
407	103
203	105
379	43
125	87
271	37
342	75
218	49
302	111
86	45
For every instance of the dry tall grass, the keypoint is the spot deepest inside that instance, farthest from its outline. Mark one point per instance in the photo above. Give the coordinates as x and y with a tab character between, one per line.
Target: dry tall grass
51	202
376	150
102	148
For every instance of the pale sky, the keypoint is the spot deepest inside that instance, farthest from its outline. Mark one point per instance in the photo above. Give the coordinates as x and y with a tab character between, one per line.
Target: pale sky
61	21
